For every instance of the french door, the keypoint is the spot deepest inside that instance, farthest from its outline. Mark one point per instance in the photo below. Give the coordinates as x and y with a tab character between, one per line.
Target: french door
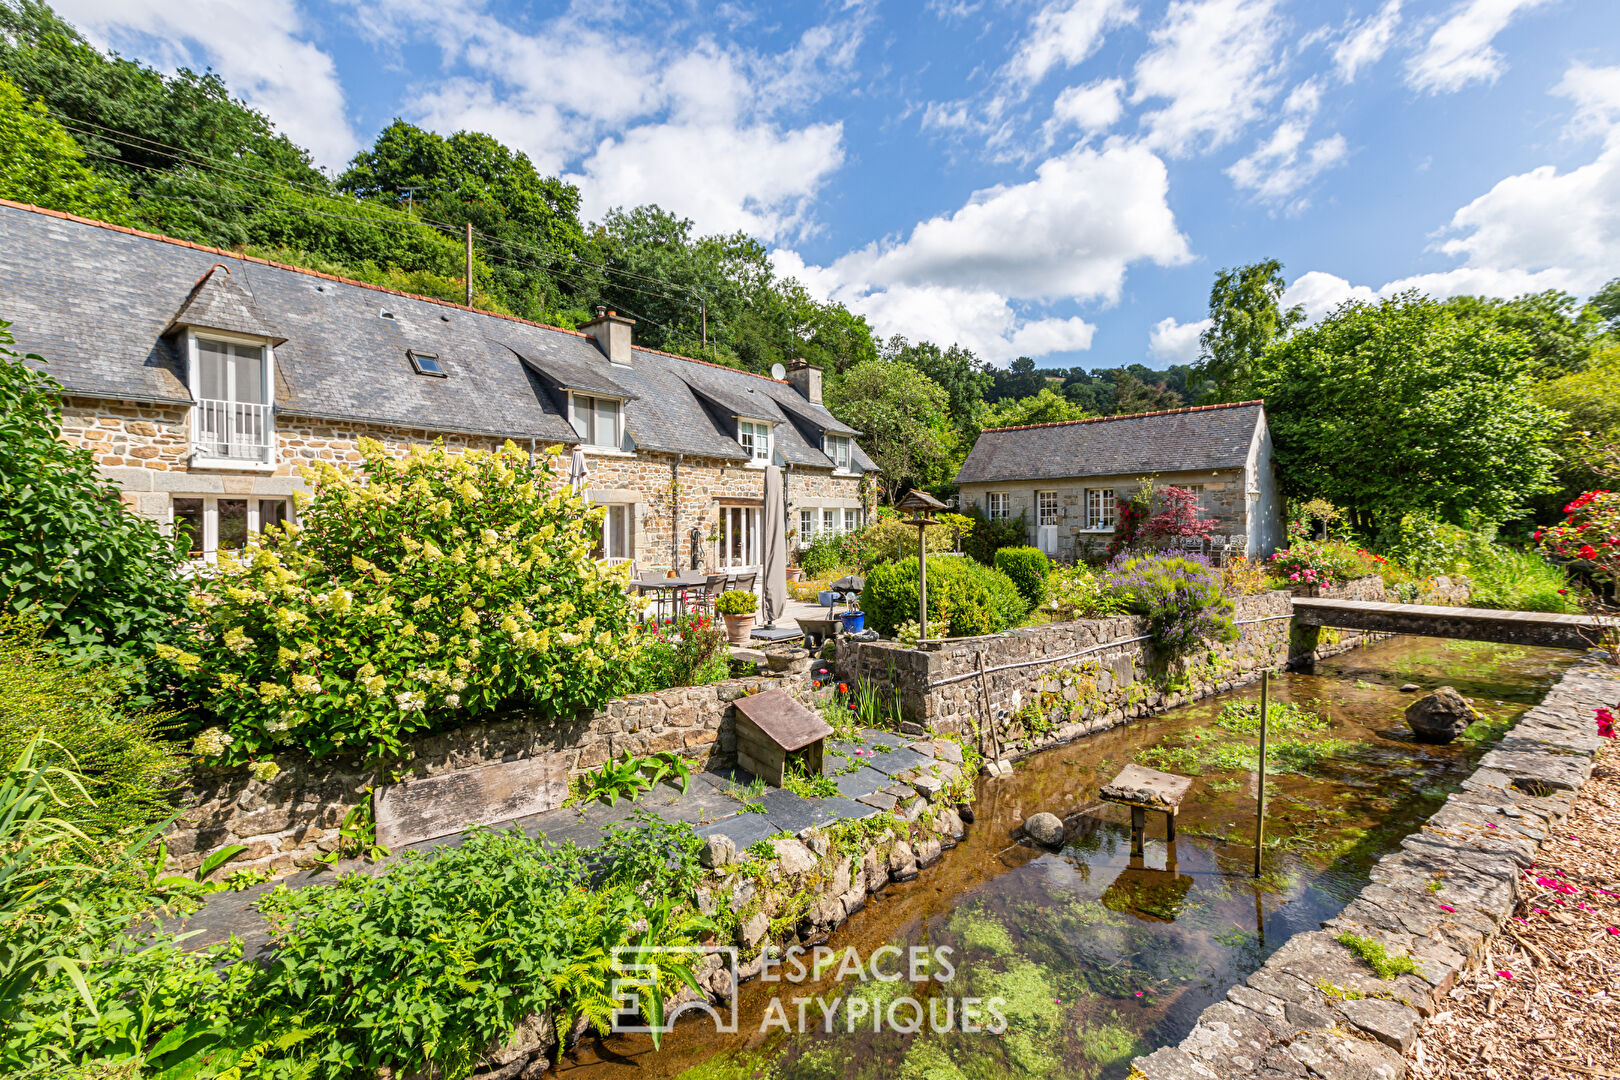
740	539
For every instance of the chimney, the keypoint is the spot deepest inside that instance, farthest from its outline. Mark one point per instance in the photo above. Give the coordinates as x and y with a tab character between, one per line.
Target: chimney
612	333
806	379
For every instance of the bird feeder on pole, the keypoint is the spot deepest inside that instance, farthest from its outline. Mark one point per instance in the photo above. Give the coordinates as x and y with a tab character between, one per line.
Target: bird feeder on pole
921	506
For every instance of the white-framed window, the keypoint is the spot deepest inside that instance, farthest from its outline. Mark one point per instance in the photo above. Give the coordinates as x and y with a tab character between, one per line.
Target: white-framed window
740	536
215	523
598	421
755	437
841	448
1100	509
617	541
231	381
998	506
1046	508
808	520
852	519
830	521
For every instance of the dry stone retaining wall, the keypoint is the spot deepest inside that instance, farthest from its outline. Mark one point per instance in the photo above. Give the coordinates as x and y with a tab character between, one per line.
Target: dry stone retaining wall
294	818
1314	1009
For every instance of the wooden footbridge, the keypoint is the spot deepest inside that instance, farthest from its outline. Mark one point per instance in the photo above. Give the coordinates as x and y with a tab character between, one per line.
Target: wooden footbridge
1473	624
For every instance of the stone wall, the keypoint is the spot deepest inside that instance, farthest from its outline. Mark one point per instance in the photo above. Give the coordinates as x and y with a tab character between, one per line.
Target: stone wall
1313	1008
290	820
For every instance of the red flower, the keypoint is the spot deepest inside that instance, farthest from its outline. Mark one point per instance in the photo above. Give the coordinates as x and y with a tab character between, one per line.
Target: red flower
1588	551
843	688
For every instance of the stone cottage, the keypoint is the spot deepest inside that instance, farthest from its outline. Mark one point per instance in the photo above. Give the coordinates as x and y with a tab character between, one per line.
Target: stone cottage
203	380
1067	479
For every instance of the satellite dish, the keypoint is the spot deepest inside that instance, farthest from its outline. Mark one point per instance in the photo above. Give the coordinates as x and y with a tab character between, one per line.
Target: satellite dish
778	372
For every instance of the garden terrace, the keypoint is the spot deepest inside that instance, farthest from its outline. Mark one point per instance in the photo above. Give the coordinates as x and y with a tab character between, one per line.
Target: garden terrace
1474	624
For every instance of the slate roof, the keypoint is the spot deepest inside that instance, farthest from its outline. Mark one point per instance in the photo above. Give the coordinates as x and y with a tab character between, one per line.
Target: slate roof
103	303
1179	440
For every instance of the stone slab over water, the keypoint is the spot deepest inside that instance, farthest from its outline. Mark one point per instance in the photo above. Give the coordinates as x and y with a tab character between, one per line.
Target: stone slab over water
1441	899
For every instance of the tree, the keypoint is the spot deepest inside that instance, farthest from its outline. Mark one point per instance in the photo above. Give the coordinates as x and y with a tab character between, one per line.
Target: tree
1020	380
1246	315
1406	406
965	378
1178	518
905	421
102	581
44	166
1134	395
1560	333
1042	408
1605	303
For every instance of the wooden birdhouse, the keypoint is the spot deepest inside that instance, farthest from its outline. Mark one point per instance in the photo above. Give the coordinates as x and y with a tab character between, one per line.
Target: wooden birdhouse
774	731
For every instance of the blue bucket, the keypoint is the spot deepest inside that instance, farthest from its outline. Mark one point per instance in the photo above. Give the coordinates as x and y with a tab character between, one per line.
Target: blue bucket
854	621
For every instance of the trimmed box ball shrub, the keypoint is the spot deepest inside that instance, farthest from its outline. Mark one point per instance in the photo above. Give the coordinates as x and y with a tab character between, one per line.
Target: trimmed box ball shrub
416	594
965	598
1029	568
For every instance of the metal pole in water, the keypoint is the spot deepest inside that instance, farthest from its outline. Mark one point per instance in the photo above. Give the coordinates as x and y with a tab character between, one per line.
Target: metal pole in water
1260	805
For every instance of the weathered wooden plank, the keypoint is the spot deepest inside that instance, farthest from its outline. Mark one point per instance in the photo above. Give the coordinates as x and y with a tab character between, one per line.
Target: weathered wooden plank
435	806
1473	624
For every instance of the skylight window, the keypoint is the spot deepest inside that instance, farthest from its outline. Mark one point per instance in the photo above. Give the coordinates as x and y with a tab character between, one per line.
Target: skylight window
426	363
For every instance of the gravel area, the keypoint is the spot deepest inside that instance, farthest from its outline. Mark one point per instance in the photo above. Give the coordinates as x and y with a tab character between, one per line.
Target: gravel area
1545	1002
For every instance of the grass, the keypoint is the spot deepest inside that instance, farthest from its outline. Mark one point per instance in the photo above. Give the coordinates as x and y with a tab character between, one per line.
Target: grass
1516	580
1283	718
1375	956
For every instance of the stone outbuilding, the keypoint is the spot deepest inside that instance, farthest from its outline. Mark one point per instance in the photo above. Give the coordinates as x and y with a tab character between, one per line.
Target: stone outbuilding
1067	479
203	381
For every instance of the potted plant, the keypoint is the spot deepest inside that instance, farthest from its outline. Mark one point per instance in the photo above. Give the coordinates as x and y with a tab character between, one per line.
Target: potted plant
738	607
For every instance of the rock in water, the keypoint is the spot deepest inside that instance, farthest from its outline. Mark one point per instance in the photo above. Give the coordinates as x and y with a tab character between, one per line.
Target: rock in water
1045	829
1440	717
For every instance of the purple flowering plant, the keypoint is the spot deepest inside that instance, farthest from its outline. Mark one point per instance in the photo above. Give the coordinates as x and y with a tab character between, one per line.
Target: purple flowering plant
1179	594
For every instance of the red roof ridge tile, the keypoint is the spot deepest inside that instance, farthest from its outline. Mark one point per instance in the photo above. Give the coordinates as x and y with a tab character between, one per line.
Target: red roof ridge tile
1126	416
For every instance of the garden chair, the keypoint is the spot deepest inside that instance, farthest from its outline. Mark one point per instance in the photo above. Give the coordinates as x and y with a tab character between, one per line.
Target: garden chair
713	586
745	582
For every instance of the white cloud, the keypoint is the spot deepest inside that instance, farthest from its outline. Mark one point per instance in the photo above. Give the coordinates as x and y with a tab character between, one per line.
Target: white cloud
262	50
1092	108
1543	229
1283	164
978	276
634	117
1365	42
1459	50
1065	32
1175	341
1211	61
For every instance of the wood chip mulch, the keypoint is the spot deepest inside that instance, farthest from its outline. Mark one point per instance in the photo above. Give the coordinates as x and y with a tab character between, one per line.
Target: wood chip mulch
1545	1003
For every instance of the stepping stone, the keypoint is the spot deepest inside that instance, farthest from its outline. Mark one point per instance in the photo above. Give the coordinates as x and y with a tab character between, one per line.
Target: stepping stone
742	829
700	803
897	761
888	739
723	778
793	814
844	809
881	800
854	785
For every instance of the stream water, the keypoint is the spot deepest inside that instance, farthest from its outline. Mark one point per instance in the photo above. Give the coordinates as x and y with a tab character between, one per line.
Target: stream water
1095	956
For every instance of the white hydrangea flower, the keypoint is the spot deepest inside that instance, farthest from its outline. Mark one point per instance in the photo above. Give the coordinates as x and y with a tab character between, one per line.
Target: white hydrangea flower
410	701
211	742
264	771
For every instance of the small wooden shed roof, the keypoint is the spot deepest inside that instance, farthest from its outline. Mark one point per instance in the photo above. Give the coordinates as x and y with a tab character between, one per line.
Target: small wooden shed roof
789	724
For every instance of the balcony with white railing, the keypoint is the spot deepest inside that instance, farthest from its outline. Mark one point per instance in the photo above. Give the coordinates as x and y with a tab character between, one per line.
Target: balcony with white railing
234	431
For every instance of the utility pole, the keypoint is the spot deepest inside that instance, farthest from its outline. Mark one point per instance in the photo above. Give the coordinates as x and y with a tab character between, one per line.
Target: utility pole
469	264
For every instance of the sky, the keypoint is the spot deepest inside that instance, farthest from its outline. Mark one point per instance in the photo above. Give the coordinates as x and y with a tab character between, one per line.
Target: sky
1053	178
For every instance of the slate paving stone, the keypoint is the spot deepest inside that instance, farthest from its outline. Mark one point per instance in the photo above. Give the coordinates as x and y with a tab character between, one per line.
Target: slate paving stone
701	803
843	809
793	814
898	761
743	829
880	800
602	815
583	834
854	785
721	779
548	822
891	739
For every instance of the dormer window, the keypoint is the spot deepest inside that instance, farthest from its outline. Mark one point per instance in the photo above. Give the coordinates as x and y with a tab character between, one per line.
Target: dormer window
755	437
841	448
598	421
231	381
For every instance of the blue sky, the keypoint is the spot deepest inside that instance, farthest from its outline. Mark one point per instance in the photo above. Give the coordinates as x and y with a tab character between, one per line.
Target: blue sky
1056	178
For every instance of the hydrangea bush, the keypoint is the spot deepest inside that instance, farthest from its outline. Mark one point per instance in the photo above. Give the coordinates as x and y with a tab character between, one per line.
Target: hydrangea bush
417	593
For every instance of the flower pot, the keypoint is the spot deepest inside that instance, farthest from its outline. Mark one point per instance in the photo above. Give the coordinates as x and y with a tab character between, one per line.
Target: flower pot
738	626
795	573
854	621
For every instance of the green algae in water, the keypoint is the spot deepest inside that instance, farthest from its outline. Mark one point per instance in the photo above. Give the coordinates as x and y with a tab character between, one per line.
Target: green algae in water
977	931
1110	1042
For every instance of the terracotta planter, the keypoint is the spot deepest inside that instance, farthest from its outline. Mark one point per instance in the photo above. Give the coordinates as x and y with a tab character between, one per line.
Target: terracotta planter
738	627
795	573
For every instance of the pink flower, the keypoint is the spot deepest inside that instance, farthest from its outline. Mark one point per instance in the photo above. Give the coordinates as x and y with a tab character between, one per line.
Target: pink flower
1505	974
1488	825
1139	993
1614	929
1447	907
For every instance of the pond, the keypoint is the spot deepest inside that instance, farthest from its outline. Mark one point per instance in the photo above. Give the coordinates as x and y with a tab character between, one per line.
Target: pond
1097	957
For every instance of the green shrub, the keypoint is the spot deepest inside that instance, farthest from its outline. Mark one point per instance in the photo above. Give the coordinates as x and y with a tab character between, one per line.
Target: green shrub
1028	567
965	598
688	650
418	592
126	767
988	537
1077	593
736	602
1180	596
884	539
102	581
